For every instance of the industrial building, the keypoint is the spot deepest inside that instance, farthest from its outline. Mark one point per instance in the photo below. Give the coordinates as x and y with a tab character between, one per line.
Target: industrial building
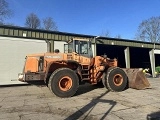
17	42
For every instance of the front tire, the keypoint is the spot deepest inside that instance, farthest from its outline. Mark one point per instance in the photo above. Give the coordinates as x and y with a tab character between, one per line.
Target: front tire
115	79
63	82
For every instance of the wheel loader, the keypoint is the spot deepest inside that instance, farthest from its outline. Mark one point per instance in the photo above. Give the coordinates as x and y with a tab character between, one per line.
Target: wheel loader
64	72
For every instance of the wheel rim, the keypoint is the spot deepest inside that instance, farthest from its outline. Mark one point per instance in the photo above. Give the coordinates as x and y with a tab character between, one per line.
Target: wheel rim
65	83
118	79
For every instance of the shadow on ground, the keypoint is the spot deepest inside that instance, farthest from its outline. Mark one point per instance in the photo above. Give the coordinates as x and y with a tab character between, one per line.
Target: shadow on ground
154	116
13	85
87	88
37	83
87	109
81	90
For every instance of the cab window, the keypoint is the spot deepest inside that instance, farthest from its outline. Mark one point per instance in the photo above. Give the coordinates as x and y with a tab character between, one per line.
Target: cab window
81	47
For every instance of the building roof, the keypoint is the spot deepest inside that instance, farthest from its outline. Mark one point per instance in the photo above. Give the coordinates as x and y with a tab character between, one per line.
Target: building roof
22	32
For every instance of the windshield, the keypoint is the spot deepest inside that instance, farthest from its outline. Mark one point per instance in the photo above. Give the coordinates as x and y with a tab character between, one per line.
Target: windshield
80	47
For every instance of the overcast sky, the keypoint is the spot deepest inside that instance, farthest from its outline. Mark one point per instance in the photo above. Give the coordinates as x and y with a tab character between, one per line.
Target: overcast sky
91	17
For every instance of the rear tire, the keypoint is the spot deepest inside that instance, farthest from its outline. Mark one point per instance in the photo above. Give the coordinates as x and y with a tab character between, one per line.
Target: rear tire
63	82
115	79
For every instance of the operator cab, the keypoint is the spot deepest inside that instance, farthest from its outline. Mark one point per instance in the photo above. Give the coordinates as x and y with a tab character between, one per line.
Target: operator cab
82	47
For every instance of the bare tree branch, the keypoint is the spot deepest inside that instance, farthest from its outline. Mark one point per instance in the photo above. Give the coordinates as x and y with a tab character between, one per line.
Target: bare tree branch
149	30
105	34
118	36
32	21
49	24
5	12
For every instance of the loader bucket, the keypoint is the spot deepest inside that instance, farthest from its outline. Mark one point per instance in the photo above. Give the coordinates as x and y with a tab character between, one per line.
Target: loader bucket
137	78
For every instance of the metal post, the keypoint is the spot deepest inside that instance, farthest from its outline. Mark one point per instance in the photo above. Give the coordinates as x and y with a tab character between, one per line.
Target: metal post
48	45
127	57
152	61
95	45
52	46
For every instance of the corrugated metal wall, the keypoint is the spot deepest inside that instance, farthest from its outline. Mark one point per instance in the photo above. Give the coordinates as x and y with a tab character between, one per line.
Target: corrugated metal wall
21	32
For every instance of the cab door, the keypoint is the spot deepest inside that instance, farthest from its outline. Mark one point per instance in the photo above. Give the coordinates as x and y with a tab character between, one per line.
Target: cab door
72	51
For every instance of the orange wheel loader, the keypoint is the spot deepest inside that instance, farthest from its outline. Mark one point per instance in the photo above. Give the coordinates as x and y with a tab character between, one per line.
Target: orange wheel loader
64	72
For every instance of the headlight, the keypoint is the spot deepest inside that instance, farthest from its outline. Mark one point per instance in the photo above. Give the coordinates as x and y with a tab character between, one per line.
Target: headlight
20	76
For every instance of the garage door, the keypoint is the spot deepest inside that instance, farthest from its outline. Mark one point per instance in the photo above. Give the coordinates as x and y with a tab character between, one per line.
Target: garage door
12	56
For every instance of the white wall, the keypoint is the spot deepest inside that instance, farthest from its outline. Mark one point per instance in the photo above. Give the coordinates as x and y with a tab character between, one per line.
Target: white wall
59	45
156	51
12	56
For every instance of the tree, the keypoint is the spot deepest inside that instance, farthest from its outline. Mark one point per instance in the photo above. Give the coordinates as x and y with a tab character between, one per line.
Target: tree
32	21
5	12
105	33
118	36
149	30
49	24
